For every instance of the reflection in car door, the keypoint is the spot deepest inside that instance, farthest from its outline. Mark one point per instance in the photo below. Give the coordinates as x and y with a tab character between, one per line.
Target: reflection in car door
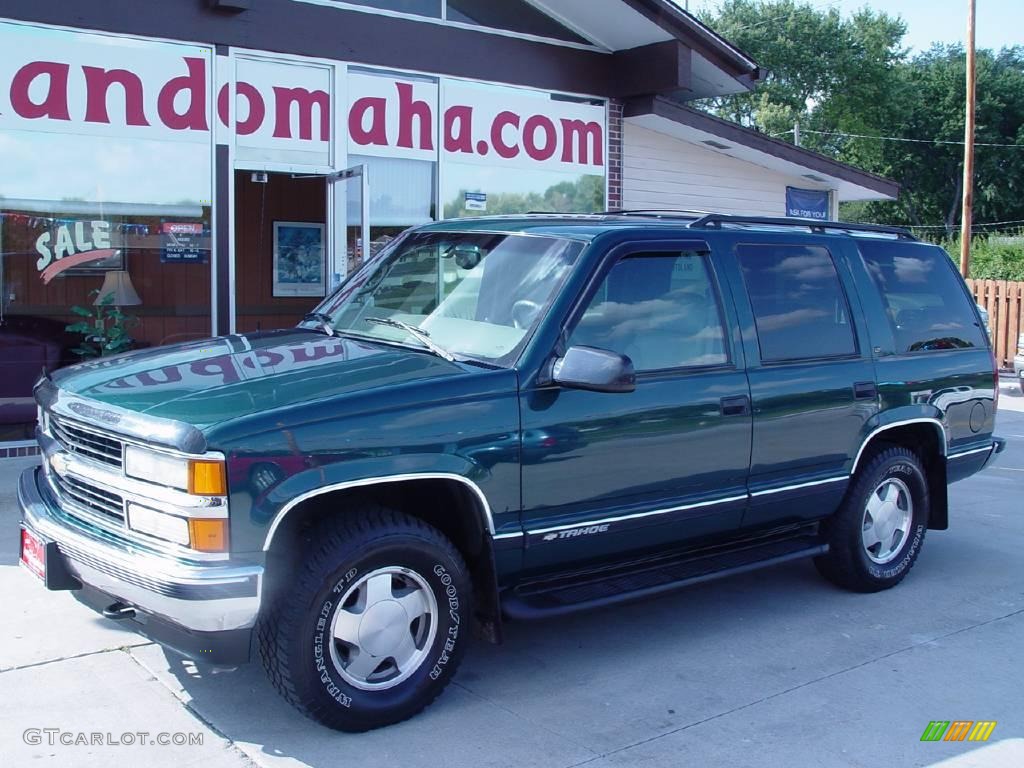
619	473
812	378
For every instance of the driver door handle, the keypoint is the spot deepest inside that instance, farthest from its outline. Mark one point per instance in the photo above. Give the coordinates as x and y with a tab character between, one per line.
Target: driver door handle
735	406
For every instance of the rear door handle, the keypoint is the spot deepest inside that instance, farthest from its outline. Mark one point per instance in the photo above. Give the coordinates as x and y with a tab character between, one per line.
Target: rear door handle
735	406
865	390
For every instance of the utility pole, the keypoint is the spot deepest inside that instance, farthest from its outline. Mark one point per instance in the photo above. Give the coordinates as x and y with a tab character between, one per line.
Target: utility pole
968	201
796	133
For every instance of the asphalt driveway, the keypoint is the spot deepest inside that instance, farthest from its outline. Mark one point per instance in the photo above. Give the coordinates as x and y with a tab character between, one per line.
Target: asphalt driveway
775	668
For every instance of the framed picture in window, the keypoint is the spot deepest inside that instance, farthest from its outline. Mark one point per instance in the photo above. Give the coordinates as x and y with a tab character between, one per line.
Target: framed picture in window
299	259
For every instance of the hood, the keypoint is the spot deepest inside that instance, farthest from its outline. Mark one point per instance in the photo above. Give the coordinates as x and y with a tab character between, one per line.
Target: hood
217	380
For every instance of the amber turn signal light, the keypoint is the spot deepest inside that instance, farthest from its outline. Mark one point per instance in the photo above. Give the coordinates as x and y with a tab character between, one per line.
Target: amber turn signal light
206	478
208	534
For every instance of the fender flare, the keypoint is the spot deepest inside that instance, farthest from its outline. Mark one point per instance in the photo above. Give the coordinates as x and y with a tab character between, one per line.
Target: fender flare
485	507
943	440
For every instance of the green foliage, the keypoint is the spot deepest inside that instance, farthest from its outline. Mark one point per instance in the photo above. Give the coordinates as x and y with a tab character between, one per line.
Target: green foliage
993	257
931	175
584	195
825	70
104	328
851	75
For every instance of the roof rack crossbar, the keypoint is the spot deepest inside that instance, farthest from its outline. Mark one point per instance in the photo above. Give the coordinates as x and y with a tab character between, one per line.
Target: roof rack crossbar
715	221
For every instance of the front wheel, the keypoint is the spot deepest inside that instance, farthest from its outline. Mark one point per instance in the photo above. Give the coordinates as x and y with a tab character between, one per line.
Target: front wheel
374	625
876	535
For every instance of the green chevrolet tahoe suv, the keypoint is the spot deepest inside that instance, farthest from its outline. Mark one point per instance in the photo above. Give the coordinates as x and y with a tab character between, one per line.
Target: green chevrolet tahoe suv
511	418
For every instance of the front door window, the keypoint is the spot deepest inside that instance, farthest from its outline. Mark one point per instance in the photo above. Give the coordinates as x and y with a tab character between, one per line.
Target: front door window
659	310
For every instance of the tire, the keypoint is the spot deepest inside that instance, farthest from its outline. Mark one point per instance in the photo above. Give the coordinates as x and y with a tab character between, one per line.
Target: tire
867	553
320	639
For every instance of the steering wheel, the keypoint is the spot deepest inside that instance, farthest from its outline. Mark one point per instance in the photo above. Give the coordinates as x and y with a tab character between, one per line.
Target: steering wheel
524	312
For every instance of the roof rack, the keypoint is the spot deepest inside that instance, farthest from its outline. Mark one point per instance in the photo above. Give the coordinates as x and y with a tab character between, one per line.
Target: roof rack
560	214
715	221
659	213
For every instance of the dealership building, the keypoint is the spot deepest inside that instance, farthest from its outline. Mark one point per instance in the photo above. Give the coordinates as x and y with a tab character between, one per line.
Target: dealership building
217	166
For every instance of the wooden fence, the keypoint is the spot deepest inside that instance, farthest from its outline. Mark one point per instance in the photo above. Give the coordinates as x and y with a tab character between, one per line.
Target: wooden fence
1004	301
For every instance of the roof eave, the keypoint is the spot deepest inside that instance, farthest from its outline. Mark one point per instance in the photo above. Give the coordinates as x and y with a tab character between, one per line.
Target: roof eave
729	131
701	39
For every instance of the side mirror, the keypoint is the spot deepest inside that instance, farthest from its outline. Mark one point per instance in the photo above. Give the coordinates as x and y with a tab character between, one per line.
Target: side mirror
597	370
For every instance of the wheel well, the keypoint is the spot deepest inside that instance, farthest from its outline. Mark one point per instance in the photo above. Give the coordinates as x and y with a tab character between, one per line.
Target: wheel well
450	506
923	438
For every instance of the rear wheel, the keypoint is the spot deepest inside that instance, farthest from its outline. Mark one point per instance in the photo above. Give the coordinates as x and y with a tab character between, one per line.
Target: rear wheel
375	623
876	535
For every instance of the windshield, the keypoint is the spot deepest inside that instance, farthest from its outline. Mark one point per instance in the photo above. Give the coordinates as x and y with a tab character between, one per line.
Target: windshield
473	295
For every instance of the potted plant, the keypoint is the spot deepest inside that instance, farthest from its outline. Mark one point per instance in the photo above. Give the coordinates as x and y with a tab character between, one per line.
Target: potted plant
104	328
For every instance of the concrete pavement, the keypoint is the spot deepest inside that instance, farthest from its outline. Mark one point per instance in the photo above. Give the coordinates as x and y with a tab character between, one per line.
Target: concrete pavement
775	668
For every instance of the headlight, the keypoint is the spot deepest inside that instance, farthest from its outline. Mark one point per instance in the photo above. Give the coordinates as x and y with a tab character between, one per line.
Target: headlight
202	477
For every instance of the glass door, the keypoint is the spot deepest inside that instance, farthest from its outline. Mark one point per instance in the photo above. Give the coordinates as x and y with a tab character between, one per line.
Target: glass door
349	193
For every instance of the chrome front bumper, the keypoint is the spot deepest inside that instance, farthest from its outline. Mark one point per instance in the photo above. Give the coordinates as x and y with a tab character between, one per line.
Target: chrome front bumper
196	597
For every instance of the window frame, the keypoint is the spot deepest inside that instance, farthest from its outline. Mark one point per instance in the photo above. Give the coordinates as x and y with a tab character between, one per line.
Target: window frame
854	330
444	20
662	249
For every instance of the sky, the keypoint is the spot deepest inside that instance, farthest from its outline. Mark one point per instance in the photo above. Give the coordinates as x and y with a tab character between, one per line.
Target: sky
999	22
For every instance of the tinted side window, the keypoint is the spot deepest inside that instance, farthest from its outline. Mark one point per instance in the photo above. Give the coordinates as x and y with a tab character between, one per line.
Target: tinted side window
661	311
927	307
799	305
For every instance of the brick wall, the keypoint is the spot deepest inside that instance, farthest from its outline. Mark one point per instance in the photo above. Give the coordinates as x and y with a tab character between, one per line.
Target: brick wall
614	165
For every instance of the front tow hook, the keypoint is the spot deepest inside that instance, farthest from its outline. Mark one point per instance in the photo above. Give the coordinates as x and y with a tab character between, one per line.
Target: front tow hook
119	611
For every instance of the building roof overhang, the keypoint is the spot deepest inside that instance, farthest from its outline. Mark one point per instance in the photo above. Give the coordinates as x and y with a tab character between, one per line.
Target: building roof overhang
707	131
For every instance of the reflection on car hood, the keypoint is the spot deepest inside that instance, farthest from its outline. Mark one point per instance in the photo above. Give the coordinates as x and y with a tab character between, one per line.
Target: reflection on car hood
208	382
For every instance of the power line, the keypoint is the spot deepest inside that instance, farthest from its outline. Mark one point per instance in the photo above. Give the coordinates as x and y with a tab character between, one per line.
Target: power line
898	138
976	224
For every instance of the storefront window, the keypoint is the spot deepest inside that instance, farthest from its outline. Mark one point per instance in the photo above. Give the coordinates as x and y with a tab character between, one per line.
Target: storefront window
513	150
107	183
430	8
472	190
513	15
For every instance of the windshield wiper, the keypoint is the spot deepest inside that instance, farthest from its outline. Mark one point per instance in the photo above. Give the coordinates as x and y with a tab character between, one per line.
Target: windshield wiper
325	321
419	333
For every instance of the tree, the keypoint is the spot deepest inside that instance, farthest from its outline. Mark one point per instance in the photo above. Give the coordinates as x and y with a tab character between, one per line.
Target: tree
840	76
932	91
824	70
583	195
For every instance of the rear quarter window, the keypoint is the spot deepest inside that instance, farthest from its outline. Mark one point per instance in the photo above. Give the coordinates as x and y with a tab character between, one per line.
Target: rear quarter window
925	301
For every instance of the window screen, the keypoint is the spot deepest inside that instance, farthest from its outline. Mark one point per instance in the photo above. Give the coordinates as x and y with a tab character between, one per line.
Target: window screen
659	310
799	306
924	300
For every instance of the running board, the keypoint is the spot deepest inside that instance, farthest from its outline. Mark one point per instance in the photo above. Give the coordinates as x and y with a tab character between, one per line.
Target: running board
585	590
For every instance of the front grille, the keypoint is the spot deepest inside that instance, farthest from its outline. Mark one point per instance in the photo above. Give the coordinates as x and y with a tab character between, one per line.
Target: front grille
87	443
103	505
